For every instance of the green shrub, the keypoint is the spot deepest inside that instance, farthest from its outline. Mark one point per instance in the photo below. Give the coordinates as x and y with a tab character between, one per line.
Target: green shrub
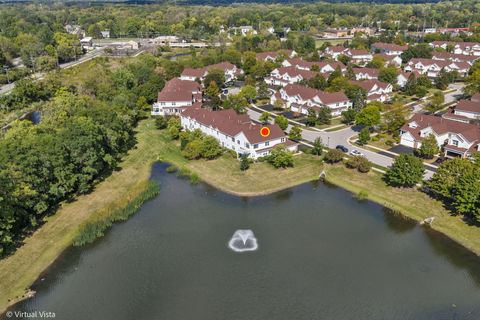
362	195
334	156
172	169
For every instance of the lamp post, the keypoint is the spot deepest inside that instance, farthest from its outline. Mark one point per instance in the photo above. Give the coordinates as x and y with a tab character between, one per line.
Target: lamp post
328	141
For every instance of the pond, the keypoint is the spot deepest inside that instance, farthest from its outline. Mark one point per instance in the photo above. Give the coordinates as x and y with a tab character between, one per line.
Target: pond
316	253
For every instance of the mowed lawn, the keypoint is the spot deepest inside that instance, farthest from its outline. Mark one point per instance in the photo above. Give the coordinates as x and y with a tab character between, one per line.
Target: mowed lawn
262	178
409	202
21	269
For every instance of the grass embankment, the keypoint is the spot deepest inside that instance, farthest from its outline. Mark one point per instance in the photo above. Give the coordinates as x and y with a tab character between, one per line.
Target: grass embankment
409	202
116	197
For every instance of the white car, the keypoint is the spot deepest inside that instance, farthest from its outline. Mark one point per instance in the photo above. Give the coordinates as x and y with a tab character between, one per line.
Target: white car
355	152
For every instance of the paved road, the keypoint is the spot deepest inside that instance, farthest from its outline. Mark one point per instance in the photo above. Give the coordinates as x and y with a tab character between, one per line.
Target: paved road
40	75
334	138
449	97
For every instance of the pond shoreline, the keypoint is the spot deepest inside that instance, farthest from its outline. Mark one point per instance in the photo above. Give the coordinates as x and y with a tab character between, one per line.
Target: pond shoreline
140	170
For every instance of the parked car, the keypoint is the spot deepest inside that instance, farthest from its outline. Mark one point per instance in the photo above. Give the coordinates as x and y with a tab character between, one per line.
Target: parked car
355	152
341	148
440	160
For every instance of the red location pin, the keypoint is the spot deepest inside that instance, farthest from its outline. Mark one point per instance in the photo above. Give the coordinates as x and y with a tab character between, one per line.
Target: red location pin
265	131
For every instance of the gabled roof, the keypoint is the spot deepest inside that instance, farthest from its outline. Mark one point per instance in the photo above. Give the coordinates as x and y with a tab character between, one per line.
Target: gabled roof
173	96
372	72
440	126
332	97
178	90
469	106
176	84
201	72
273	54
358	52
336	49
230	123
386	57
475	97
368	85
305	93
194	73
295	72
453	56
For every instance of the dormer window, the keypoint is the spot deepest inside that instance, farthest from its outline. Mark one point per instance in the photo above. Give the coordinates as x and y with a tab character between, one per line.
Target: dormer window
412	124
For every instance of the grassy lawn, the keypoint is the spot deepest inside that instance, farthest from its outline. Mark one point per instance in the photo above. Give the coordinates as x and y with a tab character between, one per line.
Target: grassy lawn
335	122
409	202
261	178
21	269
319	42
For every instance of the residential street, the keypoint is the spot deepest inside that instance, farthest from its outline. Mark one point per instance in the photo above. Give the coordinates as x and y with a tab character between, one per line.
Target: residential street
332	139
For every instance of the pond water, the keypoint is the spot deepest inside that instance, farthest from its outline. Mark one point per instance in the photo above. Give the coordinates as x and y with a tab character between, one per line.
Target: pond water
320	254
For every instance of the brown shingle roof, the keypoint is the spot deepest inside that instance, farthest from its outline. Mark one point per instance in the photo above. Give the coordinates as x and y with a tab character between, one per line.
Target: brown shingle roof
441	126
230	123
467	105
370	71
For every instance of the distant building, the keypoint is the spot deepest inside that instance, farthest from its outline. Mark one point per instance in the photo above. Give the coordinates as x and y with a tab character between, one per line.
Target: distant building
160	40
243	30
288	75
359	56
76	30
447	56
323	66
230	70
391	60
376	90
334	51
273	55
431	68
86	43
465	48
105	34
365	73
389	49
333	33
300	99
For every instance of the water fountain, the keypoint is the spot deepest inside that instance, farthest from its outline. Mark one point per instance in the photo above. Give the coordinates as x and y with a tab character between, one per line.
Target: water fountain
243	240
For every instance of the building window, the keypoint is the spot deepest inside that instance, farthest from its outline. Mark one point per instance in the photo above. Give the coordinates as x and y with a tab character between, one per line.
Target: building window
233	139
282	140
238	141
247	145
267	143
455	143
255	146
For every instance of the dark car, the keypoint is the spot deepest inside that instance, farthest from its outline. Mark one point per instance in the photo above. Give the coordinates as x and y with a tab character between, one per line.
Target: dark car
440	160
341	148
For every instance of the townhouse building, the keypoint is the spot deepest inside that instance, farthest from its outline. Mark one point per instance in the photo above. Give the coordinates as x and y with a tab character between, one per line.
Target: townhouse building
236	132
456	139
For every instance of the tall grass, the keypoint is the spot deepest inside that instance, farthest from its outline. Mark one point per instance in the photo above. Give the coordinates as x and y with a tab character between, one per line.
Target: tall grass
93	230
